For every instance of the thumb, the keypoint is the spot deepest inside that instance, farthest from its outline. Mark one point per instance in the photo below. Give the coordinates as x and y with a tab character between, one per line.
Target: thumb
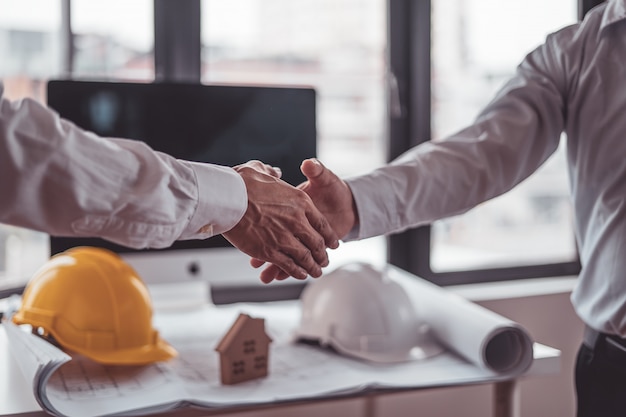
315	172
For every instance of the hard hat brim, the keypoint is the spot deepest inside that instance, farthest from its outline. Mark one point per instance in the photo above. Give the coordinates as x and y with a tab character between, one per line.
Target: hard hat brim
157	352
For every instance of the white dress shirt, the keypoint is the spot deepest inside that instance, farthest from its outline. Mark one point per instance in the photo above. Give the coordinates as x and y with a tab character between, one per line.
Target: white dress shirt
60	179
574	83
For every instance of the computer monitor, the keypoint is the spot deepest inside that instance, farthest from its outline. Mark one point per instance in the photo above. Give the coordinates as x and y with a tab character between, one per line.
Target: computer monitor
220	124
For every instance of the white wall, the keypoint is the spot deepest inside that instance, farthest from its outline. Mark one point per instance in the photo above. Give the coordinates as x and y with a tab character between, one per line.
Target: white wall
539	305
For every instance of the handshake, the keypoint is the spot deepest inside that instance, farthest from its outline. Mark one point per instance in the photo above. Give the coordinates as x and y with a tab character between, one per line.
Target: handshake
289	228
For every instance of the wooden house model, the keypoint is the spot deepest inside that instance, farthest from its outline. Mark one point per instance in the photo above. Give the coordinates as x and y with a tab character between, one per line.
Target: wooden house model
244	350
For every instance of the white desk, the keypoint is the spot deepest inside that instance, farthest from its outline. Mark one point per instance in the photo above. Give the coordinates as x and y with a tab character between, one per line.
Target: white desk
16	396
302	376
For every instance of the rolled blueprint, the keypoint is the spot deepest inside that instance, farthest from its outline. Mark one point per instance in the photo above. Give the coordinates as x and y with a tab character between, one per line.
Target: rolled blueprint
477	334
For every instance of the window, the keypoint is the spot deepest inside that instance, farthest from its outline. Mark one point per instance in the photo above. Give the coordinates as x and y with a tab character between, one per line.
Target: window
113	39
477	45
30	46
472	47
30	52
335	46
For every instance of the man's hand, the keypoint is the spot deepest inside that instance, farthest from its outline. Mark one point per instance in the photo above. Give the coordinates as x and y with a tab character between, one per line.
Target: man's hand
281	224
331	196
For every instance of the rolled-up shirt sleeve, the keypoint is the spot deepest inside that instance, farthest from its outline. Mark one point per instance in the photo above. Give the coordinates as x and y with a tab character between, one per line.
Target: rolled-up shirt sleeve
60	179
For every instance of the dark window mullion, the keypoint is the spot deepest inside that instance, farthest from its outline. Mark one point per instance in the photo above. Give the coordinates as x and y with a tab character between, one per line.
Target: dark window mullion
177	43
409	31
67	39
585	5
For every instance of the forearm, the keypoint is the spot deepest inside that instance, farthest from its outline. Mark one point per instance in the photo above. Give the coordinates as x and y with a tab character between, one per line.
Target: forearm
57	178
515	134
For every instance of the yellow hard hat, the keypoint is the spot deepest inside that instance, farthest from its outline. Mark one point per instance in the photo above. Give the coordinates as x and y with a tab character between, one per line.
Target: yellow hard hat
92	302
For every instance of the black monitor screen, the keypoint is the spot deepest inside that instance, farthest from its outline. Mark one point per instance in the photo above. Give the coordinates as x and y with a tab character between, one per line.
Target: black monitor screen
220	124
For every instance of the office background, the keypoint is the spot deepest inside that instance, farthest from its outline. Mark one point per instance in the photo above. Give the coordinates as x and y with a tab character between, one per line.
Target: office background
388	74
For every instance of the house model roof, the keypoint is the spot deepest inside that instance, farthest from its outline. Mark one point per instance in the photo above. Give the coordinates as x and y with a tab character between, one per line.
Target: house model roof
243	325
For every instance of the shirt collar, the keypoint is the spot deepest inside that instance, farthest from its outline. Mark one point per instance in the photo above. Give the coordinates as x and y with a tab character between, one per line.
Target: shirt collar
614	12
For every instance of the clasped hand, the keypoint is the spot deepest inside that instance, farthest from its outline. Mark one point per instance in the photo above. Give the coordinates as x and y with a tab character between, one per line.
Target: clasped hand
281	225
332	197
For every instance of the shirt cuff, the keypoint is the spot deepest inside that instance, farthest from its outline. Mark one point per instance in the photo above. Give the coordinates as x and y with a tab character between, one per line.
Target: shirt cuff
372	199
222	201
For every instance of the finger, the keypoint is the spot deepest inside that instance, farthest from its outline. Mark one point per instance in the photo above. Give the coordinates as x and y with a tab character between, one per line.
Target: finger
315	244
287	264
271	273
256	263
316	172
322	226
318	175
311	168
260	166
278	173
281	275
302	257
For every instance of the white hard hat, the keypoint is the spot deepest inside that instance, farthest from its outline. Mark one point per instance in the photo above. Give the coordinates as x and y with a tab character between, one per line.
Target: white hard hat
358	311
